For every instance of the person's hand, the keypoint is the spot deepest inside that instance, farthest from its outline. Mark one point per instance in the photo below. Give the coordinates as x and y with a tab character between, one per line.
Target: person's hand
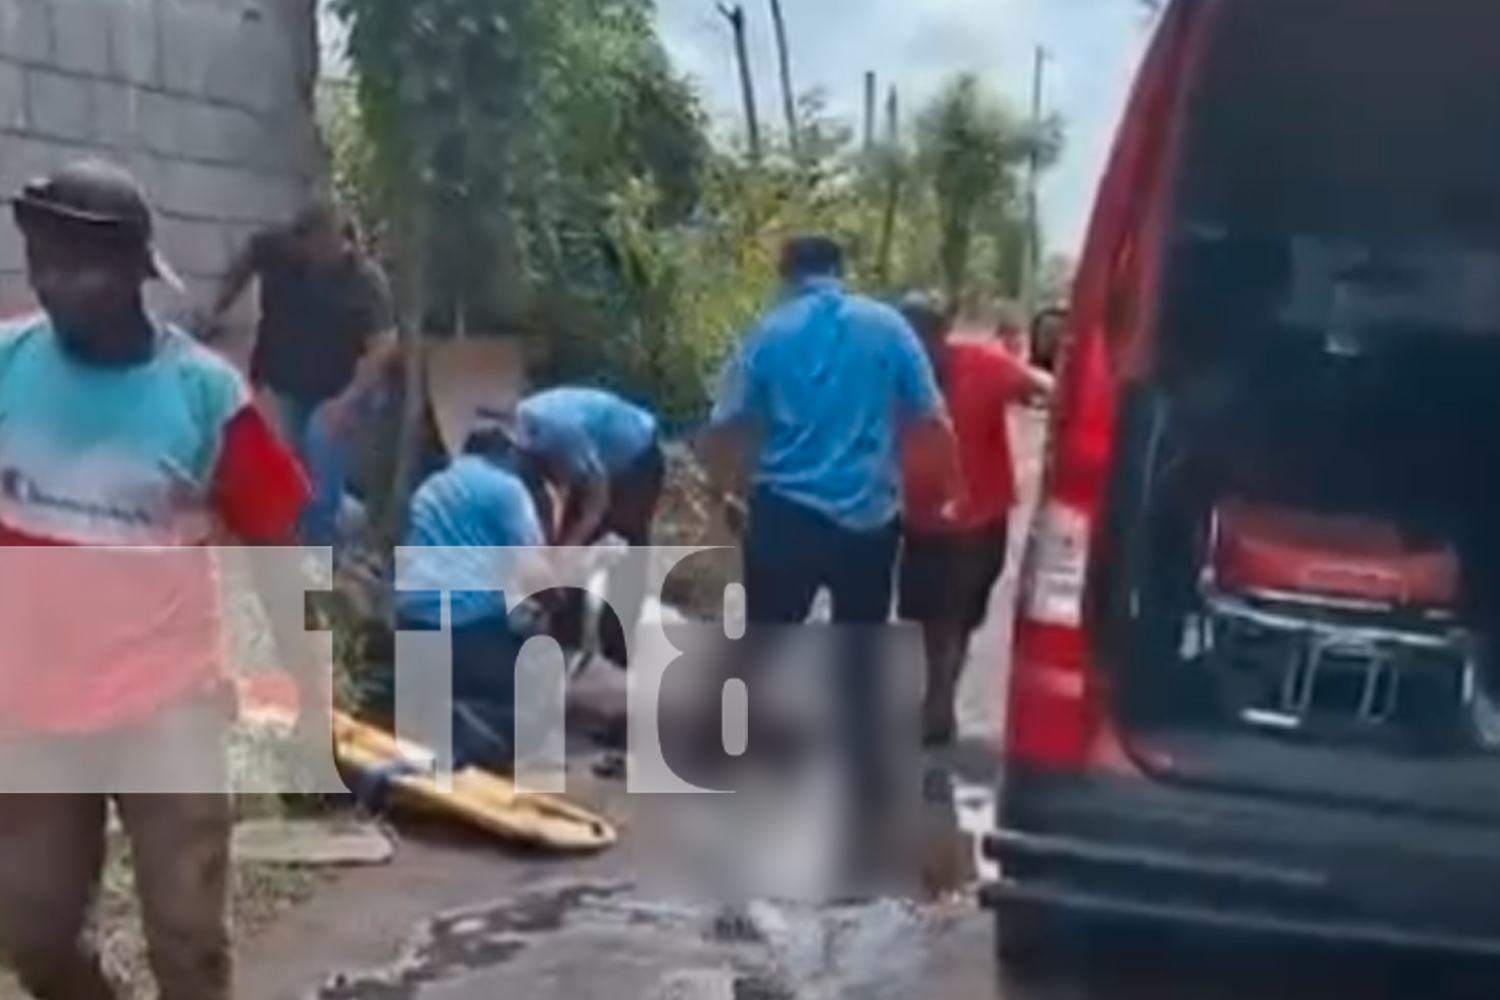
336	417
736	514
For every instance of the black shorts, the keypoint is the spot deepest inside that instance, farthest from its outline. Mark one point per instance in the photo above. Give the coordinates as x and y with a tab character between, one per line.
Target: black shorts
948	576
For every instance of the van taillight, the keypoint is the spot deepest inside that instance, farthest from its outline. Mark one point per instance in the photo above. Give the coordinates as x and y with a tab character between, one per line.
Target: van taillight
1049	713
1058	562
1052	701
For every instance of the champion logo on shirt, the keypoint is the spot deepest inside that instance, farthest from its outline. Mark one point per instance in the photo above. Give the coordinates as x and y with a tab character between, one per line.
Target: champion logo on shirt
20	488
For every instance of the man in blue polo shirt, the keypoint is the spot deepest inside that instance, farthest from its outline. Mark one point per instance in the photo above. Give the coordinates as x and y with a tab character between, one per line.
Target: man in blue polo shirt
822	393
818	402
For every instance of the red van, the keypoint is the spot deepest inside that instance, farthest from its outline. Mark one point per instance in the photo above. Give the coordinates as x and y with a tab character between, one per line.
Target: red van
1254	681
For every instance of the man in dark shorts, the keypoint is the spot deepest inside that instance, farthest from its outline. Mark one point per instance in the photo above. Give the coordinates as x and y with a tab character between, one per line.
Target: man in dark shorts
954	547
605	455
326	342
123	444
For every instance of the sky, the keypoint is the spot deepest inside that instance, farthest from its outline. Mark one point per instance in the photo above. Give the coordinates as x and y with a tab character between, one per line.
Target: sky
1093	47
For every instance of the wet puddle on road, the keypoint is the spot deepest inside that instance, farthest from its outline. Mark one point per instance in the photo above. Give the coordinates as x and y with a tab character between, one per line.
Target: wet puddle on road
590	940
705	951
459	944
874	951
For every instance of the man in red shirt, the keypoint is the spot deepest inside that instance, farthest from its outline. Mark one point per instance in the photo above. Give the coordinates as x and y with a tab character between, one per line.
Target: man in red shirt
954	547
125	449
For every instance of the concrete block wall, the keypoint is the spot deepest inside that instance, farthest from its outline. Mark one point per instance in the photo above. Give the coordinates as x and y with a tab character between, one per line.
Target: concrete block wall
209	102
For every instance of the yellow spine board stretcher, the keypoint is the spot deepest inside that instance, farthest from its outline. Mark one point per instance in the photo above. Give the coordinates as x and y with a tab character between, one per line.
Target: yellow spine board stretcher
482	799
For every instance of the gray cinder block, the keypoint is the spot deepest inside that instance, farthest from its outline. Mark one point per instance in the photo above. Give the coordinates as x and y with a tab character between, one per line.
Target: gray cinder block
203	99
26	30
80	34
61	106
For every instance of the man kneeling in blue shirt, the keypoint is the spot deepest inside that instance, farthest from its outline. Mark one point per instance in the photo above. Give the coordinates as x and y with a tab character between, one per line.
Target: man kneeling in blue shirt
473	528
605	453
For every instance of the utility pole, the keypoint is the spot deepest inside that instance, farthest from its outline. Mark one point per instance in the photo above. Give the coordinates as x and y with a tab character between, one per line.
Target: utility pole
869	131
788	92
735	15
1033	236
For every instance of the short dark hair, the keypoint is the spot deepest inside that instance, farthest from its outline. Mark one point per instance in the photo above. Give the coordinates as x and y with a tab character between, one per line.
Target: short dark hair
1050	313
811	256
925	313
317	215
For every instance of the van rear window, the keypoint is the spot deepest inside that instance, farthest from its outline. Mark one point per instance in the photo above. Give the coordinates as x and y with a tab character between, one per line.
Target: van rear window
1340	168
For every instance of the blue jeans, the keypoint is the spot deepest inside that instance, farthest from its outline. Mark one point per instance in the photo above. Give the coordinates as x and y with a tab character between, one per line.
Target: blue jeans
325	458
484	690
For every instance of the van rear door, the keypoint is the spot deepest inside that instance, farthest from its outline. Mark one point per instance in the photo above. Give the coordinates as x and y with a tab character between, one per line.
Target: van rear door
1333	229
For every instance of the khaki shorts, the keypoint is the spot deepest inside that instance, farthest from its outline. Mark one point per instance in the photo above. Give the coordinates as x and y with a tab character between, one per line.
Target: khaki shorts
52	853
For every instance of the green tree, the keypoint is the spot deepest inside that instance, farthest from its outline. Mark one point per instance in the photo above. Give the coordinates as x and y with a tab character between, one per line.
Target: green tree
971	147
543	168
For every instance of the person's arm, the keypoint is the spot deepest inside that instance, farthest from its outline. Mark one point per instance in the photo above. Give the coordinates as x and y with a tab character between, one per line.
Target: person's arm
587	476
922	411
567	452
529	565
258	493
209	327
382	347
1023	383
725	445
242	269
1037	384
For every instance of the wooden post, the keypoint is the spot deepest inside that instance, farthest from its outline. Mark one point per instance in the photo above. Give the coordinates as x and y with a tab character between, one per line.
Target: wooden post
784	64
412	248
736	17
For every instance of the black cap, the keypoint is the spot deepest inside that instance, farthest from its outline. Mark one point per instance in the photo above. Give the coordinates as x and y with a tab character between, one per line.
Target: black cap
95	193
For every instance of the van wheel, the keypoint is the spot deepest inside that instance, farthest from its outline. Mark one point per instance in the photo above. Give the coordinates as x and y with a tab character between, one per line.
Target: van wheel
1029	944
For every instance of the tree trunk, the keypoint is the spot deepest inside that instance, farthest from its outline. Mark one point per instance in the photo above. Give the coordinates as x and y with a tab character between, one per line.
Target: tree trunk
784	64
411	285
736	17
953	251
